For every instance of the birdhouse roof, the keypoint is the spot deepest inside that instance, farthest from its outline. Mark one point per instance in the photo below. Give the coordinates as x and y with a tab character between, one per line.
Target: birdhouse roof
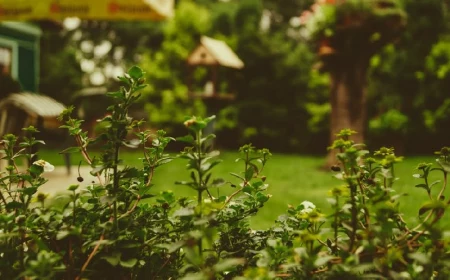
34	104
214	52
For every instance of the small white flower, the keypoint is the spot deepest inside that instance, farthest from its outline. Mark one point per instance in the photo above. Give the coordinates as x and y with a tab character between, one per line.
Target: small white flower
46	165
308	205
306	211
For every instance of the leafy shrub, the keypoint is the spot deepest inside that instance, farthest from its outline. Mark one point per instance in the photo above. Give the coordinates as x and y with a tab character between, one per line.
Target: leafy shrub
108	230
392	121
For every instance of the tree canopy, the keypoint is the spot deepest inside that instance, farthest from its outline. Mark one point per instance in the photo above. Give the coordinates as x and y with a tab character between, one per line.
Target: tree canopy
282	99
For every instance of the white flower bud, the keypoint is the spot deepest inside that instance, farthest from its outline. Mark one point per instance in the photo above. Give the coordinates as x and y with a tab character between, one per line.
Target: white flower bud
46	165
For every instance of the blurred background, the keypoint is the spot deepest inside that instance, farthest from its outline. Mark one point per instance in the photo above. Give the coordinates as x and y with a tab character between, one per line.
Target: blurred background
291	53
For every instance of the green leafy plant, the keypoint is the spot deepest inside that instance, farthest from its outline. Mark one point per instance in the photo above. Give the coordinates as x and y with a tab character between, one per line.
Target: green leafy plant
367	237
119	228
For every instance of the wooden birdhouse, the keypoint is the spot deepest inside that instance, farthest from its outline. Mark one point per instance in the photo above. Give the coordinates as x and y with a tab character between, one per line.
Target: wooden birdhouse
212	54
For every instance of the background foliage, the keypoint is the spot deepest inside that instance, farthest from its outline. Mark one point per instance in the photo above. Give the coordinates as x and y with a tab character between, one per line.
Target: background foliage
281	97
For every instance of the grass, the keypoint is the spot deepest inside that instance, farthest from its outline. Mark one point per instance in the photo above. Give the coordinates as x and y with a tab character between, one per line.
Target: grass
292	179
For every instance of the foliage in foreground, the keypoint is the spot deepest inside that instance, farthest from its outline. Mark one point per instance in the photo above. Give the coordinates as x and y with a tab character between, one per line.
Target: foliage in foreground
107	232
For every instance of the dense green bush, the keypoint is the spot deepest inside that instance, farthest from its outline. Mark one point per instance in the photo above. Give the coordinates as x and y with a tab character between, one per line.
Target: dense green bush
108	231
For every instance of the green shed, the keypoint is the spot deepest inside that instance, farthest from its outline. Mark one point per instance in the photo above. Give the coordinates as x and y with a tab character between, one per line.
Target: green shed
19	52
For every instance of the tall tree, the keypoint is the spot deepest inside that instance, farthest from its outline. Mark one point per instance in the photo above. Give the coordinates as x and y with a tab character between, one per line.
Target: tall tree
348	33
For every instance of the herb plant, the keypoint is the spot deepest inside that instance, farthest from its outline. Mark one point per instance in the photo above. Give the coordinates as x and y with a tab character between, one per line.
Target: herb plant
119	228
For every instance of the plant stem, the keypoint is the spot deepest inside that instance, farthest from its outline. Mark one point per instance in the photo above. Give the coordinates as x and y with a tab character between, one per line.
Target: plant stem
22	249
392	179
115	184
233	195
354	215
86	156
2	197
336	219
200	185
443	187
200	241
199	155
91	255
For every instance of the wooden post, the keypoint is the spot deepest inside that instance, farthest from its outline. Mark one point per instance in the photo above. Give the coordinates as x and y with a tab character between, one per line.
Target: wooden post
214	78
189	78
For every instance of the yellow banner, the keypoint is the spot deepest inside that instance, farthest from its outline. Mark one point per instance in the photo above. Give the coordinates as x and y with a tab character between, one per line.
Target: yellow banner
86	9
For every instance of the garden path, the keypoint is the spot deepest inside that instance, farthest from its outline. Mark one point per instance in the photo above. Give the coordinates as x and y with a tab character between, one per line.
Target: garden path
59	180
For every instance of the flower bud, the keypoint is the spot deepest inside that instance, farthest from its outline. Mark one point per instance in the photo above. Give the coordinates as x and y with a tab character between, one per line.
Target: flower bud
335	168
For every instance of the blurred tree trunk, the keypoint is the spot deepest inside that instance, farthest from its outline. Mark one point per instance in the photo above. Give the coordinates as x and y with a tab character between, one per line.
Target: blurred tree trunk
361	29
348	97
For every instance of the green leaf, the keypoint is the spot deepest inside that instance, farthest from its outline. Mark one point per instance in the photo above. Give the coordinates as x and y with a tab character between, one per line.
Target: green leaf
434	183
397	196
208	166
144	196
207	178
423	186
113	259
13	205
255	167
133	143
173	246
107	199
164	161
261	198
228	264
185	183
73	187
209	137
41	245
130	172
237	176
321	261
135	72
445	165
97	169
168	196
70	150
420	257
218	182
272	243
431	205
102	242
193	177
184	212
139	87
213	154
209	119
36	169
62	234
30	190
130	263
115	94
386	173
186	139
124	80
249	173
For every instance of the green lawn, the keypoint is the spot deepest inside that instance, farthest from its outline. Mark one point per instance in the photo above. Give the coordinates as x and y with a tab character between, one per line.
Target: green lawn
292	179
